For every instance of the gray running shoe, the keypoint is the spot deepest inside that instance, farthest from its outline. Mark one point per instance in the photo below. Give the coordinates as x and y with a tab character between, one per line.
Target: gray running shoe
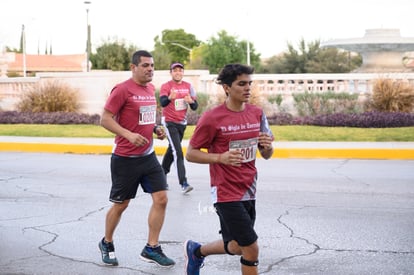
155	255
186	188
108	252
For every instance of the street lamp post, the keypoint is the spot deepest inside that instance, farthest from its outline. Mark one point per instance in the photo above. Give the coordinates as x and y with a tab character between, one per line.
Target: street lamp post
248	52
24	50
88	39
183	47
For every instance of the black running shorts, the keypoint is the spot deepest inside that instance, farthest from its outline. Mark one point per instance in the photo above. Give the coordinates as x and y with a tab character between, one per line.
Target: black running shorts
237	221
128	173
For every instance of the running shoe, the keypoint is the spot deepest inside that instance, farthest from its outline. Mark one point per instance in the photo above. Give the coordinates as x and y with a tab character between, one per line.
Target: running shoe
192	262
186	188
108	252
155	255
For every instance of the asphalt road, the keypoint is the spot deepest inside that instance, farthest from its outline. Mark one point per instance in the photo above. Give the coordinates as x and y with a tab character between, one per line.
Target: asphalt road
314	216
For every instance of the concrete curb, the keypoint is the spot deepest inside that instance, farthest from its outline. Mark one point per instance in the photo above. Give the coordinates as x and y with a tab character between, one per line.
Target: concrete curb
347	150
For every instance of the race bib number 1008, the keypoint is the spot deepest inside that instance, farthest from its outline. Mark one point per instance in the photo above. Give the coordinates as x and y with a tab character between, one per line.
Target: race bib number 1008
147	115
180	104
248	148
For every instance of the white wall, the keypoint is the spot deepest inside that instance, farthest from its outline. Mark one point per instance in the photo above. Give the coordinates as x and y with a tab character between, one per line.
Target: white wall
95	86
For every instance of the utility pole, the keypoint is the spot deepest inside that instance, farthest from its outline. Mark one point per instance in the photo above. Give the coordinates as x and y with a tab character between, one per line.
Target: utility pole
24	50
88	36
248	52
183	47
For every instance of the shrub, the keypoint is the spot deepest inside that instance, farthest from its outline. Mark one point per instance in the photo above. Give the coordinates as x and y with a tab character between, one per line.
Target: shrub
363	120
14	117
275	99
203	103
257	97
159	108
280	119
391	96
192	117
51	96
202	100
311	104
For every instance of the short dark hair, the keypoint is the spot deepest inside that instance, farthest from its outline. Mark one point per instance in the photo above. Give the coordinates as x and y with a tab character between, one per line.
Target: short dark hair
136	57
230	72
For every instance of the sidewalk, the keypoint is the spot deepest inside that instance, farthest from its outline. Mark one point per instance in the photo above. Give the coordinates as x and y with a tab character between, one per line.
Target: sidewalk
354	150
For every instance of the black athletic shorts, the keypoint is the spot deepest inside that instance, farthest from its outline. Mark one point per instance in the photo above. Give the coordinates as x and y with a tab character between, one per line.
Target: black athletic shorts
237	221
128	173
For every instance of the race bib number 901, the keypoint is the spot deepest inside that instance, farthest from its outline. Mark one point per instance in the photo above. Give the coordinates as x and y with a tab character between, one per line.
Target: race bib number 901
147	115
247	147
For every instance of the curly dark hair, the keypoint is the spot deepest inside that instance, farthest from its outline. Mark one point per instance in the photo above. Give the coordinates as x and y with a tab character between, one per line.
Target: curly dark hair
230	72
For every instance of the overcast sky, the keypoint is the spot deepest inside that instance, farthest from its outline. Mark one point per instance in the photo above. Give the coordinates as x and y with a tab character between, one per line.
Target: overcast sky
268	24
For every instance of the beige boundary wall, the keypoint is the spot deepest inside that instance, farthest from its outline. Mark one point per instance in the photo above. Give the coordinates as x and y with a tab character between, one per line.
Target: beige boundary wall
95	86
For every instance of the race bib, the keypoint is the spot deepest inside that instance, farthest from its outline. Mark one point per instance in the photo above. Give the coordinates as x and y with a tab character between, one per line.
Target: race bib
180	104
147	115
247	147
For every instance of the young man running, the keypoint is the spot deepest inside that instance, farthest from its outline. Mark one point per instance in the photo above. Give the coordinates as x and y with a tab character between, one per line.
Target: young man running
232	133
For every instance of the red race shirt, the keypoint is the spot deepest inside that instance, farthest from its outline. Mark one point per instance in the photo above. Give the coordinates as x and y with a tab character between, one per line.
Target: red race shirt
135	108
220	130
176	110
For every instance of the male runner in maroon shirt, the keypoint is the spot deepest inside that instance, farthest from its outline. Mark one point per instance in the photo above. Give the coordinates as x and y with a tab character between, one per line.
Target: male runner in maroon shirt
232	133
